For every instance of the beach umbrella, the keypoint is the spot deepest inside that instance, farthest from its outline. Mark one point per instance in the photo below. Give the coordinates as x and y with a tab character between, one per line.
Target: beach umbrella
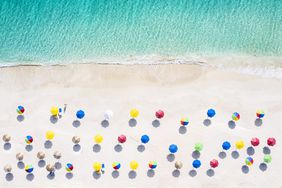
240	144
271	141
198	147
40	155
98	139
226	145
28	139
214	163
260	113
57	155
184	121
116	165
20	110
50	168
153	164
235	116
75	139
133	165
7	168
122	138
255	141
69	167
80	114
19	156
178	165
249	161
134	113
6	138
159	114
267	158
54	110
211	113
28	168
145	139
50	135
97	166
196	163
173	148
108	114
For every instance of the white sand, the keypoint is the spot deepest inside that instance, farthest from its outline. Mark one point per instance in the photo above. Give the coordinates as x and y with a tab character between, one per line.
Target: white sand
180	90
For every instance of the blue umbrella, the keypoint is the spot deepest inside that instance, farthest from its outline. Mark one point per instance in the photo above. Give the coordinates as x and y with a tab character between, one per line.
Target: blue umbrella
211	113
226	145
145	139
80	114
173	148
196	163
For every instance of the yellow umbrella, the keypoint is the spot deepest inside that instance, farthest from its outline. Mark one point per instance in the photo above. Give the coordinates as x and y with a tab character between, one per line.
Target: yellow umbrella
98	138
54	110
97	166
240	144
134	113
134	165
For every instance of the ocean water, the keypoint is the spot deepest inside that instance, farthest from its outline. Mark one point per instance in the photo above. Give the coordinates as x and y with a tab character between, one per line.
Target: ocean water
34	31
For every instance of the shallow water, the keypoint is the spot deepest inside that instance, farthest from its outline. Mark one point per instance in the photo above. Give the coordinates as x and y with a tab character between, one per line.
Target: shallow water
68	30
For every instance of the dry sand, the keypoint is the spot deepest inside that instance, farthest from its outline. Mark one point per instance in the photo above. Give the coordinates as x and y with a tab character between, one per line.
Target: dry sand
180	90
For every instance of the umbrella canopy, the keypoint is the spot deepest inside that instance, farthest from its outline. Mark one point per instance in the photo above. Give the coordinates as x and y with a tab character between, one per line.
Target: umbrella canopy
80	114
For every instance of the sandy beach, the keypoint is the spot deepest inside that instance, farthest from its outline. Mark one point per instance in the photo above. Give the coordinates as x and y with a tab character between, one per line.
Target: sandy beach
179	90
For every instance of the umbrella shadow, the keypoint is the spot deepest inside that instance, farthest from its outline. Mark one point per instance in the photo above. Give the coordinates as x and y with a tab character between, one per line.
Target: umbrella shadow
170	157
245	169
96	175
53	119
30	177
9	177
20	118
105	123
132	174
41	163
196	154
132	122
115	174
207	122
58	165
266	150
69	175
48	144
141	148
263	167
210	172
182	130
156	123
258	122
150	173
176	173
76	147
250	151
96	148
51	175
76	123
235	154
231	124
7	146
20	165
192	173
118	148
28	148
222	154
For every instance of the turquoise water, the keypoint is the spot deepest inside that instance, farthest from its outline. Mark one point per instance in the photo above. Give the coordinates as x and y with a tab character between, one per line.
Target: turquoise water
44	30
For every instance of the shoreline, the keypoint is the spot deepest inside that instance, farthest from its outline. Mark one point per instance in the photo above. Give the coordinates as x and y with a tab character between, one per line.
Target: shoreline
264	66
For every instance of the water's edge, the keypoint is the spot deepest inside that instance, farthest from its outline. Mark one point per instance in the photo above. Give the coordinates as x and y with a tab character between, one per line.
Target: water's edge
265	66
